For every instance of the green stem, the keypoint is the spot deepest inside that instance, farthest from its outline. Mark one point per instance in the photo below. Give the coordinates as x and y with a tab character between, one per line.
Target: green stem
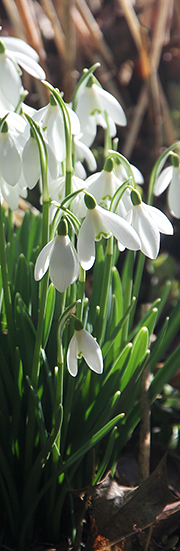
79	307
100	329
137	284
38	344
6	291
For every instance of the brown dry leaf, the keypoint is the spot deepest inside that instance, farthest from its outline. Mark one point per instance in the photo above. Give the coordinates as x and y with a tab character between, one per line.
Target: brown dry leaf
119	512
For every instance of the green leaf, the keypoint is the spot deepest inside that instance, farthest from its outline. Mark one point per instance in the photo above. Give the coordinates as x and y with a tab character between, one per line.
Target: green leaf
25	334
140	346
22	279
49	311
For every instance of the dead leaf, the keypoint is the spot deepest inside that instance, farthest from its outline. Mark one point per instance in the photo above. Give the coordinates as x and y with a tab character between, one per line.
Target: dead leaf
119	512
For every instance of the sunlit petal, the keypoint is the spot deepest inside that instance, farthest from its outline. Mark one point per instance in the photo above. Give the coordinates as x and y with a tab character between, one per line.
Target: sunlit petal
64	266
86	243
120	228
72	356
174	193
162	222
91	351
31	163
43	260
10	161
147	231
163	180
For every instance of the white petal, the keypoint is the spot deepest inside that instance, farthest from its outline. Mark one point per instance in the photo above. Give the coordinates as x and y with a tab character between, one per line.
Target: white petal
163	180
112	106
72	356
75	123
31	163
43	260
10	82
162	222
84	153
10	161
30	65
56	135
147	231
80	170
121	229
91	351
52	162
174	193
64	265
86	243
10	194
139	178
17	45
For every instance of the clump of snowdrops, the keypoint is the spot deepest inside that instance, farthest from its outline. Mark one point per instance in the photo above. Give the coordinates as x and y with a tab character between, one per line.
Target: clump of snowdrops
71	364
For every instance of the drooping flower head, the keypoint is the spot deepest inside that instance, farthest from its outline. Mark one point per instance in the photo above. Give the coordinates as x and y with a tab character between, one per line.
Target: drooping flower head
98	223
170	176
14	52
94	105
59	255
83	345
148	222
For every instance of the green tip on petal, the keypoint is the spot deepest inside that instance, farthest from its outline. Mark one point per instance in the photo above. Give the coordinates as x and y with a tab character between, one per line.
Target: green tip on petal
78	326
52	101
63	227
90	202
2	47
109	164
175	160
135	197
5	128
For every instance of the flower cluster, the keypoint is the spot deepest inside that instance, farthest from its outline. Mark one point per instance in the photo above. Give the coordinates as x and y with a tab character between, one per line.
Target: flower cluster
105	204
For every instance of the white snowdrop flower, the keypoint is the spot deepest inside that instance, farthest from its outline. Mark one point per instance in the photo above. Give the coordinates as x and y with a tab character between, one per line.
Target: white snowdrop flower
31	162
93	103
10	160
148	222
103	185
122	175
101	222
15	52
84	345
52	122
60	256
170	176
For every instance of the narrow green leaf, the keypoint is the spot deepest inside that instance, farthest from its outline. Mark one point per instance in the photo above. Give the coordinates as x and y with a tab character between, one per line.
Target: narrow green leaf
49	311
140	346
22	279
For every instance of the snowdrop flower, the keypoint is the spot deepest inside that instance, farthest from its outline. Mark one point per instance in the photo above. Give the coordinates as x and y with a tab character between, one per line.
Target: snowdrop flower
101	222
31	162
103	185
15	52
59	255
93	103
122	175
170	176
148	222
10	160
52	122
83	345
